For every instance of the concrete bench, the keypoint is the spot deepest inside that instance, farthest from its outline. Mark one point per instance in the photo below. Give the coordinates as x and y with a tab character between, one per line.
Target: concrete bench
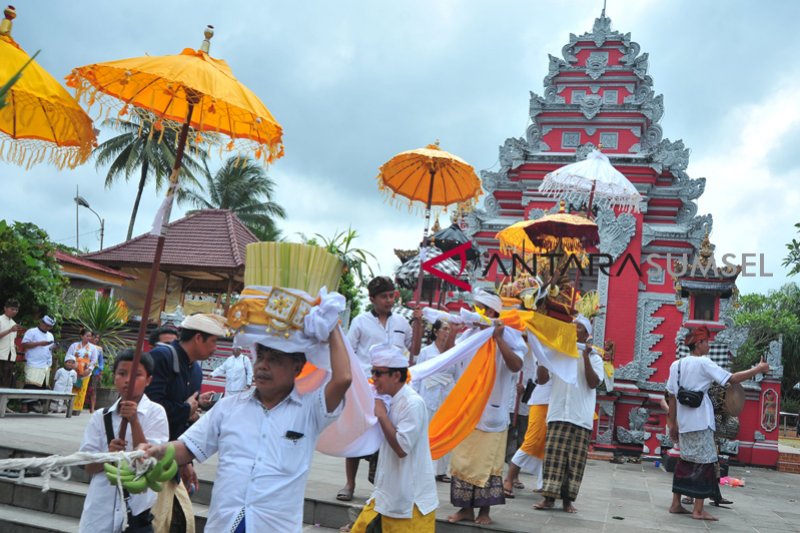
33	394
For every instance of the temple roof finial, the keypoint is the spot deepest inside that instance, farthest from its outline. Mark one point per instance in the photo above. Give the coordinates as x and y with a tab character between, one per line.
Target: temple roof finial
603	13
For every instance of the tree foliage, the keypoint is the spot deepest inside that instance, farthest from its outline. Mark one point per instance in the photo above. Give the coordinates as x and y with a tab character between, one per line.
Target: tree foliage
153	152
241	185
356	261
792	259
29	271
767	317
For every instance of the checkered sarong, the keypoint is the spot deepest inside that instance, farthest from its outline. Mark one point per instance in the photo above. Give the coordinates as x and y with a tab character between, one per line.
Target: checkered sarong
565	453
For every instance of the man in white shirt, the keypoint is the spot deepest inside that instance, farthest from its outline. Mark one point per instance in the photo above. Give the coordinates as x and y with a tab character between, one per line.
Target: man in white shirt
405	490
238	372
38	344
8	352
264	462
476	464
379	325
570	417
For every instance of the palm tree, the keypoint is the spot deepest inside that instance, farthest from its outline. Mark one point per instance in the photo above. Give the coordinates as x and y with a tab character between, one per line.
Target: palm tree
241	185
142	146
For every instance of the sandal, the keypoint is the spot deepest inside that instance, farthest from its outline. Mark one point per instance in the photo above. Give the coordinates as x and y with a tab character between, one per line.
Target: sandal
345	495
687	499
519	485
443	478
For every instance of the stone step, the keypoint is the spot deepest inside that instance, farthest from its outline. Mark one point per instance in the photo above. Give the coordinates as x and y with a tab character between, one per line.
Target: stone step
64	499
18	520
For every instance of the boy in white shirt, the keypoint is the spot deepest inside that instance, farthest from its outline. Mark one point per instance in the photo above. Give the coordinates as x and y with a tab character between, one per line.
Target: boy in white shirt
104	507
405	489
66	378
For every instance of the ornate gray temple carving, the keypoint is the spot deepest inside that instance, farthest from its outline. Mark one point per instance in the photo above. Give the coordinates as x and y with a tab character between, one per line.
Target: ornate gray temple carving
635	432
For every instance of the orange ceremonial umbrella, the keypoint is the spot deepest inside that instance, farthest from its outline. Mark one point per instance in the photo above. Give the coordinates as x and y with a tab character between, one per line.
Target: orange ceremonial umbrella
431	177
191	90
40	120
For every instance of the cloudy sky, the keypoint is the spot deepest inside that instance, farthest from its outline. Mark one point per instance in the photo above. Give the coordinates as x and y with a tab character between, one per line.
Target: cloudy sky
353	83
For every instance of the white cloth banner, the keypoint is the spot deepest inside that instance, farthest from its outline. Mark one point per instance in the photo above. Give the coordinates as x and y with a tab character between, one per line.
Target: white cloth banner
560	364
462	351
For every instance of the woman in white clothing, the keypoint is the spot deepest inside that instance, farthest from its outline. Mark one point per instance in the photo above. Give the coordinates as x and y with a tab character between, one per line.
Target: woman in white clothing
434	389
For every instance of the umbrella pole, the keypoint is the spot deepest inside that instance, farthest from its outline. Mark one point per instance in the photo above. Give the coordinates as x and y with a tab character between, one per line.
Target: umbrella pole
418	292
591	200
154	269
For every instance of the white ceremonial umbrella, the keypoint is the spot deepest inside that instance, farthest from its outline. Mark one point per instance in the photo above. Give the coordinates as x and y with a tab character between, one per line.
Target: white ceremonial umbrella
595	179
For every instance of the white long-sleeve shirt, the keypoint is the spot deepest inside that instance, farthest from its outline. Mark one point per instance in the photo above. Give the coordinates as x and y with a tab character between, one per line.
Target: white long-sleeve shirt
104	508
367	330
65	380
238	372
400	483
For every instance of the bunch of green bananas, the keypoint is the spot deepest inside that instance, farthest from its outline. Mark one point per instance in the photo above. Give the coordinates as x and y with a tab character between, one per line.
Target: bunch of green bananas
164	470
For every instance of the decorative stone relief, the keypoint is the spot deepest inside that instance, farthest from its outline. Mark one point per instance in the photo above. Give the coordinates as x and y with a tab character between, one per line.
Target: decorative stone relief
583	151
566	50
590	105
643	93
599	332
492	206
607	408
773	357
636	434
640	66
534	137
665	441
633	51
594	87
490	180
651	137
616	232
513	152
551	95
639	369
671	156
654	108
554	69
601	31
596	64
758	436
687	212
536	105
728	447
590	130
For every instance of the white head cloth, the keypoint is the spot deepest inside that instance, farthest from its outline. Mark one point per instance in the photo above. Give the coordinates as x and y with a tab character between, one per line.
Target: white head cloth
206	323
312	340
387	355
585	322
49	321
492	301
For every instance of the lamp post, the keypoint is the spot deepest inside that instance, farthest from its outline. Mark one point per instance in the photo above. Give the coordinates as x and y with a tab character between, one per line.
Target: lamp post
81	201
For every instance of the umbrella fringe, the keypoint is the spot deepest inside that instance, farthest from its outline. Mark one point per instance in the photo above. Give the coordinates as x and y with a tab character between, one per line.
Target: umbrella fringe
30	152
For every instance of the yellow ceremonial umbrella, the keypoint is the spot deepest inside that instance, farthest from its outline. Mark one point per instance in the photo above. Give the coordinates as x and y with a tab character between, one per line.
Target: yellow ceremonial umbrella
191	90
431	177
40	120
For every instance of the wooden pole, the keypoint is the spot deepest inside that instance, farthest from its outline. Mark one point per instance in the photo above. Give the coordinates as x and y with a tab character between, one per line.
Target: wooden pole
148	299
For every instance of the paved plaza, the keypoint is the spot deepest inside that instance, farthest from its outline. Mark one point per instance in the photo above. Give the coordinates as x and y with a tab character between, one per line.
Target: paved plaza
614	498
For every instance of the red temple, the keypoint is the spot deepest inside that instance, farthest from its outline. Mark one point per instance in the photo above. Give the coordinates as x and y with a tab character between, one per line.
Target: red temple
599	94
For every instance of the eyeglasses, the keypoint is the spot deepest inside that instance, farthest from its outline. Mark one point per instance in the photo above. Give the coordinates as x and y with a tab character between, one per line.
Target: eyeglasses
379	373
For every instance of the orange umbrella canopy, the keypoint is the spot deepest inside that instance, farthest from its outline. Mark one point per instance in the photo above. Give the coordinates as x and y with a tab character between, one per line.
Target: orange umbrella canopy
572	232
167	85
431	177
40	121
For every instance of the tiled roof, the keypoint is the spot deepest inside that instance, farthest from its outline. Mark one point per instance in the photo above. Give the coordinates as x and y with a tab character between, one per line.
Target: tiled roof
63	257
210	239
